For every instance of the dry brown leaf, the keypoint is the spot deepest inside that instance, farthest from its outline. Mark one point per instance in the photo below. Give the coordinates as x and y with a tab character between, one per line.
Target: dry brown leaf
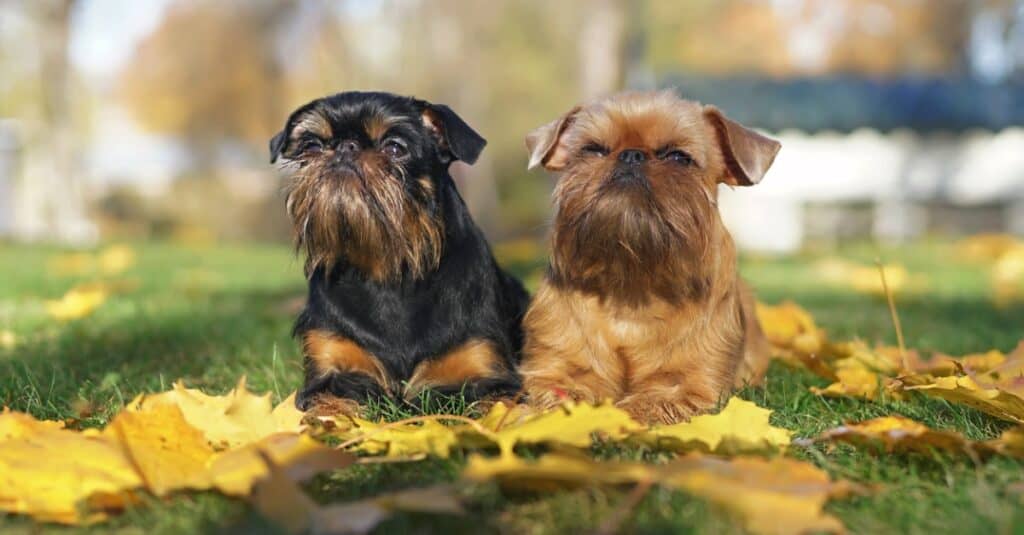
898	434
279	499
235	472
741	427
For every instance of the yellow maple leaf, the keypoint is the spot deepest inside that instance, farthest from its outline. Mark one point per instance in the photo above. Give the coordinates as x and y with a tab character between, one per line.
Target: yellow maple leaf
986	247
50	473
400	439
995	401
788	324
553	471
116	259
169	453
71	264
900	435
572	424
77	302
234	419
771	496
8	339
853	381
741	426
234	472
777	496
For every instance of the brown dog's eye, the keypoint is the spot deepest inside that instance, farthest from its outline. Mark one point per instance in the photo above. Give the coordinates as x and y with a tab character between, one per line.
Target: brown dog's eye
394	149
678	156
595	149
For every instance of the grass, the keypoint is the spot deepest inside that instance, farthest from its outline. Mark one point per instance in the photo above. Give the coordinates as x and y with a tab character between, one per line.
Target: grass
209	315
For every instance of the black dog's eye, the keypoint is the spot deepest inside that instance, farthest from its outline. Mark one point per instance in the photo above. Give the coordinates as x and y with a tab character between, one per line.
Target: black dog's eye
395	149
595	149
678	156
311	146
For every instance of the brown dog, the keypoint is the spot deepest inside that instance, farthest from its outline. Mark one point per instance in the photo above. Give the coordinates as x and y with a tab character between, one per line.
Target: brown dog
643	303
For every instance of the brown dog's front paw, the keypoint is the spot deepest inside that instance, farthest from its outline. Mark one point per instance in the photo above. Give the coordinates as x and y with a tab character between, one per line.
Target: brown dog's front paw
657	409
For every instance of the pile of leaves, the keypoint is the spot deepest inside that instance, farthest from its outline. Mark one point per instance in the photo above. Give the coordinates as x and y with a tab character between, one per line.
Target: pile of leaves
241	445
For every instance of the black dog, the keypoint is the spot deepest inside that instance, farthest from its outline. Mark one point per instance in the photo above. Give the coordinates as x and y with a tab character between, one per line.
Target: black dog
404	293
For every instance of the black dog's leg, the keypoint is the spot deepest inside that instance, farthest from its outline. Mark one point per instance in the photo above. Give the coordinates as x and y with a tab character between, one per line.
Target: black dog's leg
355	386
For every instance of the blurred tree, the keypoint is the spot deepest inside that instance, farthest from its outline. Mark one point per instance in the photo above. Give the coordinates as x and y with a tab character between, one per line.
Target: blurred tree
210	74
49	198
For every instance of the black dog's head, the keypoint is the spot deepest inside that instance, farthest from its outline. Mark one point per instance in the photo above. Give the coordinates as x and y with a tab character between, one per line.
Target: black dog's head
366	170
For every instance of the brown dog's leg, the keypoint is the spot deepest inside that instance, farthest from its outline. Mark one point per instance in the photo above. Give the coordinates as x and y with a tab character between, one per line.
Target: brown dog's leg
756	349
337	367
470	369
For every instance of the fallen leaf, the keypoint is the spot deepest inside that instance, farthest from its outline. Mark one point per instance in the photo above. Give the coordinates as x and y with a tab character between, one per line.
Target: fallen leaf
400	439
169	453
966	390
279	499
776	496
553	471
71	264
234	419
854	382
770	496
8	339
741	427
116	259
898	434
998	391
51	473
571	424
985	247
76	303
1010	443
235	472
364	515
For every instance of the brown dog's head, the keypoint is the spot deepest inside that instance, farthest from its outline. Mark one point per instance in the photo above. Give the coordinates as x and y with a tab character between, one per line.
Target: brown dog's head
366	171
636	196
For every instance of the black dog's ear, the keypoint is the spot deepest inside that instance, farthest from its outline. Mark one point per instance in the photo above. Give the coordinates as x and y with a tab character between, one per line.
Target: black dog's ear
460	140
277	145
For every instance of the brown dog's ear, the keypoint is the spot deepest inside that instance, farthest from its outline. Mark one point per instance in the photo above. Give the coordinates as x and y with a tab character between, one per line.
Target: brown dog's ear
748	155
544	143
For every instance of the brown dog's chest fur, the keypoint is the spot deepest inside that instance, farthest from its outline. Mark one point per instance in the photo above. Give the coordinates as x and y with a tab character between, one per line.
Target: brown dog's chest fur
661	362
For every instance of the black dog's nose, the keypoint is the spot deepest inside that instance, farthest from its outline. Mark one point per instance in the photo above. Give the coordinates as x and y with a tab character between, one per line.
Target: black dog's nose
632	156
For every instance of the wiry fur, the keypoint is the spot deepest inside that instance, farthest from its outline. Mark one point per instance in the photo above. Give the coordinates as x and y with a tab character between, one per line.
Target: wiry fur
404	293
368	215
643	303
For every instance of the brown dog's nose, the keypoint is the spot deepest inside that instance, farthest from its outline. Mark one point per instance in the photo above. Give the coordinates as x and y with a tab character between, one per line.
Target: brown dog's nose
632	156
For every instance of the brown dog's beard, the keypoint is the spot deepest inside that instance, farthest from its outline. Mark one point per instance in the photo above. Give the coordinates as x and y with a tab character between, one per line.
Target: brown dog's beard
629	245
367	218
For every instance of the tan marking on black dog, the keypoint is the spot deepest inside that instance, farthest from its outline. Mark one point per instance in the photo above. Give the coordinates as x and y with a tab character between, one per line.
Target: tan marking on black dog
473	360
333	354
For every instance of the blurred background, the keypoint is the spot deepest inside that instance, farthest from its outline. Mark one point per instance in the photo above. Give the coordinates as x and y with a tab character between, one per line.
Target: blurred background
148	119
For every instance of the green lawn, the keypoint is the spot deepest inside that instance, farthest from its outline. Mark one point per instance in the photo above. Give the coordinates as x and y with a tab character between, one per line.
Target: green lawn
209	315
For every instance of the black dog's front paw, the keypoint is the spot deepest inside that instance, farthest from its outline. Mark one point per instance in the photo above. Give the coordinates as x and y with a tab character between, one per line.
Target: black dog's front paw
356	387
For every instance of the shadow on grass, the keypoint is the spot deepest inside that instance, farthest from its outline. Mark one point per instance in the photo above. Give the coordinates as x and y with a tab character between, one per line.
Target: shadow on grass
209	340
